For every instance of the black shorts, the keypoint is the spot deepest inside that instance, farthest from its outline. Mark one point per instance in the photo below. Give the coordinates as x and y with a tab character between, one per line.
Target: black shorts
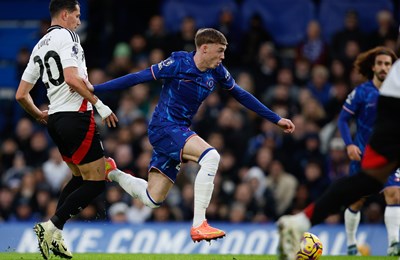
76	136
384	145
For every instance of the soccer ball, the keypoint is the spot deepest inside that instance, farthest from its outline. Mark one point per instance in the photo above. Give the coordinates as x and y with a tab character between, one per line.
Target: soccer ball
310	247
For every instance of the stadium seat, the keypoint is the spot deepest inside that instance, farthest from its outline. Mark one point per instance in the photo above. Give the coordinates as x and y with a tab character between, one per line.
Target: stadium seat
332	13
8	77
286	20
205	13
31	9
13	38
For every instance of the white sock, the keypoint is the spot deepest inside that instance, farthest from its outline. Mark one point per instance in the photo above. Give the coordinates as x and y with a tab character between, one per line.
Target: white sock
351	222
302	221
136	187
50	226
204	185
392	222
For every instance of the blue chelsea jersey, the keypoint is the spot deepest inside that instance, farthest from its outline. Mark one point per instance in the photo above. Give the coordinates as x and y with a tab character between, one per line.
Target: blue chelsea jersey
362	104
185	88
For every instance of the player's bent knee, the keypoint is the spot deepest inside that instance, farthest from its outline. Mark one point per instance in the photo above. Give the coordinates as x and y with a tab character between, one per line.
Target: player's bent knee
149	201
210	159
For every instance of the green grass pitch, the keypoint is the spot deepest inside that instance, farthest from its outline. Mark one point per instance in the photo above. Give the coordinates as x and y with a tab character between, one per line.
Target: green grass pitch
106	256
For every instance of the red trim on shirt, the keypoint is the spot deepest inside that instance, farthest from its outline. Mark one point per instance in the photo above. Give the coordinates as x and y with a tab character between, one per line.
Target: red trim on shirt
83	107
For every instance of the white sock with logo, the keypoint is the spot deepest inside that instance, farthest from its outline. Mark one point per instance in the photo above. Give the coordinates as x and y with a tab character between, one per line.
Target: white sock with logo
204	184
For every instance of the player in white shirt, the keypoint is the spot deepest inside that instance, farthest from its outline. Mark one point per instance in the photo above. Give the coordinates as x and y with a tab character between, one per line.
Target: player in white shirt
58	59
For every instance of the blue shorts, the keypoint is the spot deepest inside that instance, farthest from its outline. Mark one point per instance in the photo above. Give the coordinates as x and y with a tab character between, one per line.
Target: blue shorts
168	142
393	180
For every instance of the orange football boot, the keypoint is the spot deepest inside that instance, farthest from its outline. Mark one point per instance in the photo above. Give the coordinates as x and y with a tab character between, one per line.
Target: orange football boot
205	232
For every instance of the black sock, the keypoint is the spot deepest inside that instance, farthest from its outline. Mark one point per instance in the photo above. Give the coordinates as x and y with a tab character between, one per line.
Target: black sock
77	201
344	192
71	186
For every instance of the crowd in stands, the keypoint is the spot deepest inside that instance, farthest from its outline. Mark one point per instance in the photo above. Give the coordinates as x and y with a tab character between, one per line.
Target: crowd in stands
263	173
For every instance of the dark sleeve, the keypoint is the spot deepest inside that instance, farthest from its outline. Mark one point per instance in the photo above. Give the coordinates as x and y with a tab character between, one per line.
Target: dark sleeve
343	124
252	103
126	81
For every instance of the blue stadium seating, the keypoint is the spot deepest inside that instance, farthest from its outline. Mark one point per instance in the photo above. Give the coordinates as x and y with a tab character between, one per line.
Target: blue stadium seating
31	9
205	12
13	38
8	76
332	13
286	20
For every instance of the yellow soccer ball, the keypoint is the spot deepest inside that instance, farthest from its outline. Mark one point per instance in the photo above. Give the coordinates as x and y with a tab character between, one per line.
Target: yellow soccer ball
310	247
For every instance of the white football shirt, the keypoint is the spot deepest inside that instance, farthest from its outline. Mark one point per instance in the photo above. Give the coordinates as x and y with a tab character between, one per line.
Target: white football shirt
391	85
60	48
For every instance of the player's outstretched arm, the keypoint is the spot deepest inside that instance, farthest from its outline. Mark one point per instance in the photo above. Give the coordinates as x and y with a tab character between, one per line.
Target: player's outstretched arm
126	81
252	103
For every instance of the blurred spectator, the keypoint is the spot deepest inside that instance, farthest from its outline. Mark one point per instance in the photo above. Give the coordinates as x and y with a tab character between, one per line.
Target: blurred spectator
228	24
237	213
313	48
38	151
118	213
138	49
186	203
319	84
23	212
245	195
266	67
337	71
252	39
121	63
315	179
23	134
302	72
386	30
138	212
350	32
183	40
283	186
124	158
8	151
13	175
6	203
56	171
163	214
338	162
156	35
311	153
42	198
339	91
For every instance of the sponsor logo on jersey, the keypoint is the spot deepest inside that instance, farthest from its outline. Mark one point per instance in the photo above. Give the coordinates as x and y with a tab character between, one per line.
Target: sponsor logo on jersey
75	50
165	63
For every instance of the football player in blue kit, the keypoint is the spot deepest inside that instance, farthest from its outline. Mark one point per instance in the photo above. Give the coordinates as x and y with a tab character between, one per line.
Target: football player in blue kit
380	157
361	106
189	77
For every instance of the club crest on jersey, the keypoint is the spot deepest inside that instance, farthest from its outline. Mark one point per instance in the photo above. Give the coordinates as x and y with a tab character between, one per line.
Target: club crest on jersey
75	51
210	83
165	63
